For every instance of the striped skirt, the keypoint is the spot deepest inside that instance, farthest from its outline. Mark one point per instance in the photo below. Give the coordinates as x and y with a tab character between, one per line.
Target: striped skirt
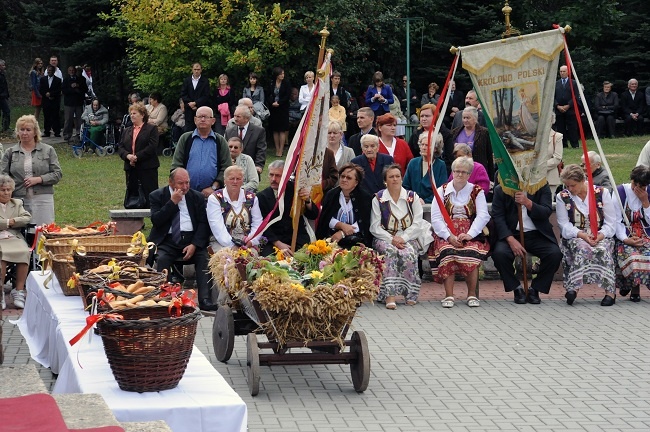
447	260
633	265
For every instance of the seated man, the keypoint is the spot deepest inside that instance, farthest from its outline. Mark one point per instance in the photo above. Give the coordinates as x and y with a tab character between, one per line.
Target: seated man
597	171
279	234
538	238
181	231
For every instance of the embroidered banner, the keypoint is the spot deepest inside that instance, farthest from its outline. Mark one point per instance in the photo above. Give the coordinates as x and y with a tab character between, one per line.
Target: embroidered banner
515	82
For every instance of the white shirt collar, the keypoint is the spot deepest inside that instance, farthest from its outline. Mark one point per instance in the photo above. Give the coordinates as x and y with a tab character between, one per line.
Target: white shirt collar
403	195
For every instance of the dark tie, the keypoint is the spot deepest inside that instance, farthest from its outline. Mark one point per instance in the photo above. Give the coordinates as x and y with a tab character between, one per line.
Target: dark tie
241	133
564	82
176	228
452	95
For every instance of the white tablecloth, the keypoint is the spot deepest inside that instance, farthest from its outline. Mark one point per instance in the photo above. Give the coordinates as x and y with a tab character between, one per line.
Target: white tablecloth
203	400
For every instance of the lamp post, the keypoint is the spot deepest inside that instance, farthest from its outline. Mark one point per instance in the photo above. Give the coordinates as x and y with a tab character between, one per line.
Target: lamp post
408	65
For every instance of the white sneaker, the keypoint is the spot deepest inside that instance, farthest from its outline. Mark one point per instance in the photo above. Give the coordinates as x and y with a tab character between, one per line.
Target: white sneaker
18	298
3	303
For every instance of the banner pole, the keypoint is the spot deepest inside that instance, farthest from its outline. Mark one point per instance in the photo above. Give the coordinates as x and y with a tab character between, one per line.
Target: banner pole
524	259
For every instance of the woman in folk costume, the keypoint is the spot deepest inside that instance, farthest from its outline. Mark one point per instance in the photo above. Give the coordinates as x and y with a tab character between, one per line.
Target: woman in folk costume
633	245
460	253
401	236
233	212
588	257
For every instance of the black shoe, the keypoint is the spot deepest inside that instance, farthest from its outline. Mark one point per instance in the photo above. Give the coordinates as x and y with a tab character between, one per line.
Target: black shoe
607	301
57	135
624	291
207	305
635	298
520	295
46	135
570	297
533	296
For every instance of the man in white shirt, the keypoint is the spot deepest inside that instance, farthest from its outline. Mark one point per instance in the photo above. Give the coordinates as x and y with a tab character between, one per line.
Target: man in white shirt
195	94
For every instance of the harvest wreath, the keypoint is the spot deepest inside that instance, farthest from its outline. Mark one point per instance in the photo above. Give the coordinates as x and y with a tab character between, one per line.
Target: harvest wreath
310	296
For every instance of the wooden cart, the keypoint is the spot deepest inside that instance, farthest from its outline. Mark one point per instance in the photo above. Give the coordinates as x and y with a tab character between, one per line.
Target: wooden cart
354	351
229	322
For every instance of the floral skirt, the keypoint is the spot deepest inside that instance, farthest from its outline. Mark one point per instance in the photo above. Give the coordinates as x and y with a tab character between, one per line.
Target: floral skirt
401	275
633	265
584	264
447	261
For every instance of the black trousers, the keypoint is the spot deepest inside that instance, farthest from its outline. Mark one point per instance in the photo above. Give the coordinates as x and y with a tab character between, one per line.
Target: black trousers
170	252
148	179
566	124
633	127
535	244
51	116
608	120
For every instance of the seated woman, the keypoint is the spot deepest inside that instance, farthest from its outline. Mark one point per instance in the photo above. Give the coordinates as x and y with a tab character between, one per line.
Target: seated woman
477	138
13	248
588	257
178	120
157	113
479	175
373	163
401	236
461	253
95	116
342	154
418	172
389	144
633	244
345	211
233	213
251	178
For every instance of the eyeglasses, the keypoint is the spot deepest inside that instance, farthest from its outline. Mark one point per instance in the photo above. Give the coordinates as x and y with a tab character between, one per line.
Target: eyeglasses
458	172
203	117
233	146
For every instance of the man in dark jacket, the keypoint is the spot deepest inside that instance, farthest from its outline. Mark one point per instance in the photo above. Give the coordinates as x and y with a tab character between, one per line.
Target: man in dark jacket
539	240
181	231
50	88
74	90
195	94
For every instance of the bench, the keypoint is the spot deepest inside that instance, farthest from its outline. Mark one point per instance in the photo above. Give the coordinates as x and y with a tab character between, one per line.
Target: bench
128	221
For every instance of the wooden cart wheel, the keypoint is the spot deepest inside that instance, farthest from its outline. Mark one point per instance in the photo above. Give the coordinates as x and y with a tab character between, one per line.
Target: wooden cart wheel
253	364
360	368
223	333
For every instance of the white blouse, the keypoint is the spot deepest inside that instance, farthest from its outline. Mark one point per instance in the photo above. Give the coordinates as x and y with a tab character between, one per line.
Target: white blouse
569	230
634	203
217	224
459	199
419	229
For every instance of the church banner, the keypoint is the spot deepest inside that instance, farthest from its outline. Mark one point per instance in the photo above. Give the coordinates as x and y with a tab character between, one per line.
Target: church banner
515	82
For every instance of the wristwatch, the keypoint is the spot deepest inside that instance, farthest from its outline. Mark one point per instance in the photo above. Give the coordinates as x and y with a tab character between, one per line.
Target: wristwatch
214	188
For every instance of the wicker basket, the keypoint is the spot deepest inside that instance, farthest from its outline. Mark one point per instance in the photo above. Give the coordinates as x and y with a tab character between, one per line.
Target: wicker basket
115	243
63	268
91	282
57	235
93	259
149	355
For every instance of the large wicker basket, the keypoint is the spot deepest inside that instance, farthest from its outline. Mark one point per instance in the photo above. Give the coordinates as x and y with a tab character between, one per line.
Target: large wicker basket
93	259
58	235
63	268
114	243
149	354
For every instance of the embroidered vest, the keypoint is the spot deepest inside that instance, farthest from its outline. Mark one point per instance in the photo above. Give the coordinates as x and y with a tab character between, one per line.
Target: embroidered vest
470	207
636	218
237	224
582	222
388	221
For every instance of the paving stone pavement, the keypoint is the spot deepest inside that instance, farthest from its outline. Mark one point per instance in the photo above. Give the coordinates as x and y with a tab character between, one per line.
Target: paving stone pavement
502	367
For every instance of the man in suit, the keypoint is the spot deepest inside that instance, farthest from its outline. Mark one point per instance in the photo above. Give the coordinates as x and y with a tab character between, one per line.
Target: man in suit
50	89
54	61
280	233
539	240
373	164
74	90
471	100
204	153
365	119
195	94
248	103
633	105
180	230
565	115
456	104
253	137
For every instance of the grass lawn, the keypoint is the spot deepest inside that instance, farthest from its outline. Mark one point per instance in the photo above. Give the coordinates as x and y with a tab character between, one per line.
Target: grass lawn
92	185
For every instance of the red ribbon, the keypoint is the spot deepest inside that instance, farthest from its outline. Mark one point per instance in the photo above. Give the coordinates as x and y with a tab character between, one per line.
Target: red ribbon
593	221
170	290
186	299
91	321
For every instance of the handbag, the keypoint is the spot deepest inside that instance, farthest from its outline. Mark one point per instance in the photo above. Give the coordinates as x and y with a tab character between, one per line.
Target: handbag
134	197
261	110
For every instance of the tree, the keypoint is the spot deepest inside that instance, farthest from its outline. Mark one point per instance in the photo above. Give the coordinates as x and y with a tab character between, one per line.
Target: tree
166	36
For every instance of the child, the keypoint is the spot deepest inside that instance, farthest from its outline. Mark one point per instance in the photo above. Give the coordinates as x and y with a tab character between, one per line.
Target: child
337	112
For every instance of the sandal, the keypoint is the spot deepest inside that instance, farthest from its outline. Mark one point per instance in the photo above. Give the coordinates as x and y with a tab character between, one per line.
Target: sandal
391	305
411	302
473	302
447	302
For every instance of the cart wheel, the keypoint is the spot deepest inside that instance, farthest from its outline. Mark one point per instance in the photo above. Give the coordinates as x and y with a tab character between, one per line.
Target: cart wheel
253	364
109	149
77	152
100	151
360	369
223	333
167	152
